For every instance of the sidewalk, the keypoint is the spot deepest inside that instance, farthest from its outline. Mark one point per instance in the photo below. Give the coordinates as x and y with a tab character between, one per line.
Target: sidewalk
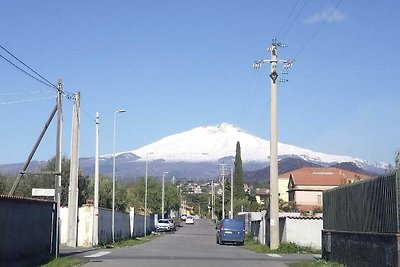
69	251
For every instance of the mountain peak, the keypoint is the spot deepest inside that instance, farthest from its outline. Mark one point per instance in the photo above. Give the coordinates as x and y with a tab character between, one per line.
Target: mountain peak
212	143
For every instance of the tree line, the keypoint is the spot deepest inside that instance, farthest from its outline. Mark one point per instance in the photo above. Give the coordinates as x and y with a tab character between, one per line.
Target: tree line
127	194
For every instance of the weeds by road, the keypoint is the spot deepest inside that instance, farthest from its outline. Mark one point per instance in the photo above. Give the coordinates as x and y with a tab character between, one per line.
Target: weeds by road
65	262
70	261
289	248
285	248
317	263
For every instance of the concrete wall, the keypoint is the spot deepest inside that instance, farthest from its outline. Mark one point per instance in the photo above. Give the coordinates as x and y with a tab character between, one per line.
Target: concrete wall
303	231
126	225
26	231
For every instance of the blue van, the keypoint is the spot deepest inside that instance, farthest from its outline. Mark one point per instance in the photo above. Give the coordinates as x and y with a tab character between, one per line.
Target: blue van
231	231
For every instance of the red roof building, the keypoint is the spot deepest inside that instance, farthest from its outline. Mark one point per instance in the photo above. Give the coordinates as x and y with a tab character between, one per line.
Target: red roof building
305	185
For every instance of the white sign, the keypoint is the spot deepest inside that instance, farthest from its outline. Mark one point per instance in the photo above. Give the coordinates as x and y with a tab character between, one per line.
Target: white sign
43	192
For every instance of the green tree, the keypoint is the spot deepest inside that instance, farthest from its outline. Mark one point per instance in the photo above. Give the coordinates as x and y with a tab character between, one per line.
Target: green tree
136	195
30	181
5	184
238	184
105	193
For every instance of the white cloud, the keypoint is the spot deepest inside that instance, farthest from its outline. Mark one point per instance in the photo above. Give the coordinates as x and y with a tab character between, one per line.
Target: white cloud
330	15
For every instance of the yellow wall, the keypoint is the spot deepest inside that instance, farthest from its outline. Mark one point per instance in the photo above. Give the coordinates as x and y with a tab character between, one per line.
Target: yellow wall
283	188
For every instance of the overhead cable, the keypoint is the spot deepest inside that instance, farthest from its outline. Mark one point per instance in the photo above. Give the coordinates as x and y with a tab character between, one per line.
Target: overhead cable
26	100
287	19
20	61
323	22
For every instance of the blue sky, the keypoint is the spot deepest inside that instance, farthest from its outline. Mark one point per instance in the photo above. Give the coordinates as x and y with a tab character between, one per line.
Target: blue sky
176	65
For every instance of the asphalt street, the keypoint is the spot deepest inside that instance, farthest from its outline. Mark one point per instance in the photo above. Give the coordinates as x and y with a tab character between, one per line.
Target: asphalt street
191	245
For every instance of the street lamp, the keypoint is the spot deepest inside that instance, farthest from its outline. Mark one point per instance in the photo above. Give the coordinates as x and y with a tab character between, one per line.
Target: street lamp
145	195
113	177
163	195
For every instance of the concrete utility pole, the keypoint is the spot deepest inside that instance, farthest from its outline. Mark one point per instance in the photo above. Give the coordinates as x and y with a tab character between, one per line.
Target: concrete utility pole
145	193
163	195
57	196
73	178
212	199
223	166
274	198
96	188
231	213
113	178
35	147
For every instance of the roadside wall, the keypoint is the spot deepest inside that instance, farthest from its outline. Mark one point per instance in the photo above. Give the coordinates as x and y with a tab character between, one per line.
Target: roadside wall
302	230
361	249
127	225
361	222
26	231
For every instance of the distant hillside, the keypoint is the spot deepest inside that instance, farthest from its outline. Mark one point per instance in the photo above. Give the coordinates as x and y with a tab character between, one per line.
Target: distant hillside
284	165
350	166
291	164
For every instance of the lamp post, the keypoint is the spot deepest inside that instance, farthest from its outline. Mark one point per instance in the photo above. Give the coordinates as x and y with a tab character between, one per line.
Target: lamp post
163	195
113	178
145	195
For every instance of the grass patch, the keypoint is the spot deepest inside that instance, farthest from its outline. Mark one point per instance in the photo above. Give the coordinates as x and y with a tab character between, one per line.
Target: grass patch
317	263
70	261
130	242
65	262
285	248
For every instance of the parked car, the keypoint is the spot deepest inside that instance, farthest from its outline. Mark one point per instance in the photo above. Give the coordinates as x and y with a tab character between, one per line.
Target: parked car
172	224
231	231
183	217
189	220
163	225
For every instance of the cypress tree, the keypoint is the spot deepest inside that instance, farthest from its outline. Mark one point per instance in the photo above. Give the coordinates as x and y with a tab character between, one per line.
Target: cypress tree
238	184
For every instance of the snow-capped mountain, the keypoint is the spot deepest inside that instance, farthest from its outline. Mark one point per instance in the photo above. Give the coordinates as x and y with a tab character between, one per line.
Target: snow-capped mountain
212	143
197	152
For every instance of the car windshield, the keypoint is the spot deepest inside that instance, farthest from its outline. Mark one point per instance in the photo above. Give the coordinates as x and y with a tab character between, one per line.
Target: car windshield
163	221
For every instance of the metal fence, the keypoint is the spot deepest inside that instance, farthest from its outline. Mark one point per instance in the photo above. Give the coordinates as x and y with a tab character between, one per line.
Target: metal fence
27	235
367	206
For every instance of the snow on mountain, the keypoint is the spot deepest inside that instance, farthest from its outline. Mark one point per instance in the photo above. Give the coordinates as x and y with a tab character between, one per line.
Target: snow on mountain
211	143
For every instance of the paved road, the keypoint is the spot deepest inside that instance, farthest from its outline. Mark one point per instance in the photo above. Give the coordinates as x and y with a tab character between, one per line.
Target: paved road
192	245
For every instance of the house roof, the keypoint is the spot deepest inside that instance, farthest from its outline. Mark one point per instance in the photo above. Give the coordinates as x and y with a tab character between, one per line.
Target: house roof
321	176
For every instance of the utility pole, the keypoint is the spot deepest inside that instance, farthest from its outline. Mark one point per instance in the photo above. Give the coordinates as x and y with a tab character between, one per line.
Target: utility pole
223	166
163	195
274	198
231	213
73	179
96	188
58	187
212	199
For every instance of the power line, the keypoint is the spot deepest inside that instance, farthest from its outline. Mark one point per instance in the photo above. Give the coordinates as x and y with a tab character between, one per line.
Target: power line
323	22
24	93
26	100
295	18
287	19
30	75
20	61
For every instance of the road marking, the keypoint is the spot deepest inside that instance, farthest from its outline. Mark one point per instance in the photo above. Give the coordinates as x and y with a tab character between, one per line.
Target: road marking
98	254
274	255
